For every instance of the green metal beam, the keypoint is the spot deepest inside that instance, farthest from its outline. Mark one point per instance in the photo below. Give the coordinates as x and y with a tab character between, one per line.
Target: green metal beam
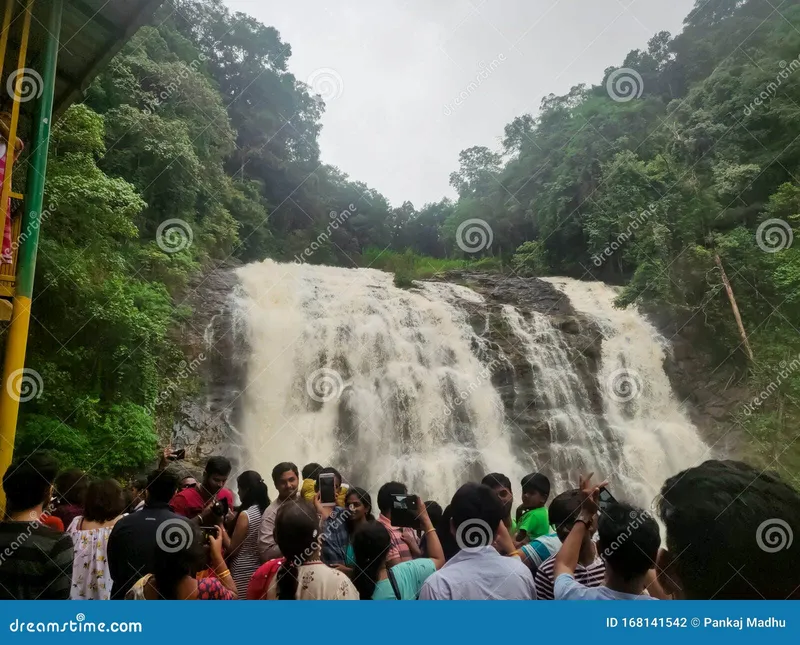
37	171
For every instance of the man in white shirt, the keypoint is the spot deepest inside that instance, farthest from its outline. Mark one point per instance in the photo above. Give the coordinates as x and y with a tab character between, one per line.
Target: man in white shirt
478	571
286	478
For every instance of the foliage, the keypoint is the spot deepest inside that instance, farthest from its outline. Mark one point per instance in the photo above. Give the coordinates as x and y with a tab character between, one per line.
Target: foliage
199	119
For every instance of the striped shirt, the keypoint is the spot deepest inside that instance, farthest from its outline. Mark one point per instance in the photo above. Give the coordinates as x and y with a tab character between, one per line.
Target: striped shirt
398	549
35	562
538	550
247	557
591	576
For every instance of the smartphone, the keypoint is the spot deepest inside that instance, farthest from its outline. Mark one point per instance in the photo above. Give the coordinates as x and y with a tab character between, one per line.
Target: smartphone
404	511
327	489
606	499
209	531
177	455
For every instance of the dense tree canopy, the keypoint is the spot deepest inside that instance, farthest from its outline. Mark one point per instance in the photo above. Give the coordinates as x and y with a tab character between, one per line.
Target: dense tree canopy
686	152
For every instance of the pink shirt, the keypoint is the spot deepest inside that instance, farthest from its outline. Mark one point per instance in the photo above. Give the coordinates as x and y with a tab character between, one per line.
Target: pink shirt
399	549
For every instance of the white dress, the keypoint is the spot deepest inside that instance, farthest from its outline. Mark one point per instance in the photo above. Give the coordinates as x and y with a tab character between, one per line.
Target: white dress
91	579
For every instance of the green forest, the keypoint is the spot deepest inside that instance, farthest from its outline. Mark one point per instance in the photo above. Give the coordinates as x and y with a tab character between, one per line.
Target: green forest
650	180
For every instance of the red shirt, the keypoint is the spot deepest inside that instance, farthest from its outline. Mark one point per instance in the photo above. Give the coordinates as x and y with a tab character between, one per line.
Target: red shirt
189	502
52	522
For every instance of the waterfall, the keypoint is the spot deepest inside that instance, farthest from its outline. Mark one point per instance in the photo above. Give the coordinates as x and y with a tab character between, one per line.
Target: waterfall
576	440
385	383
347	369
652	429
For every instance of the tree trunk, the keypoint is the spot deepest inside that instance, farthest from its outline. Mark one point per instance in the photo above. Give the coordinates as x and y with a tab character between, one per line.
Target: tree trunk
735	308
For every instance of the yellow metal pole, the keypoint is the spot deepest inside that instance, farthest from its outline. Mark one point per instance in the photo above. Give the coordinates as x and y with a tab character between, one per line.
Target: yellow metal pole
12	129
4	36
17	339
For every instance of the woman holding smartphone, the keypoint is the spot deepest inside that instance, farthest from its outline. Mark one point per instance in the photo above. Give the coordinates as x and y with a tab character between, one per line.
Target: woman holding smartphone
403	581
176	565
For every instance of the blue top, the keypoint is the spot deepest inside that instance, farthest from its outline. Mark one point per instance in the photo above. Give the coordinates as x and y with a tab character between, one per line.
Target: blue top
336	539
480	574
567	588
409	576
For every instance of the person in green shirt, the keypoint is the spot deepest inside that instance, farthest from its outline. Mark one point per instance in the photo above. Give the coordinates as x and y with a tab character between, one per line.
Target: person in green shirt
501	485
533	521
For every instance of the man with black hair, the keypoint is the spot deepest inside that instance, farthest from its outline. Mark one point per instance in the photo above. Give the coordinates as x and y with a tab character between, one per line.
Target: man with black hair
35	560
628	543
590	569
533	520
729	531
404	544
501	485
286	478
199	502
478	571
138	488
133	540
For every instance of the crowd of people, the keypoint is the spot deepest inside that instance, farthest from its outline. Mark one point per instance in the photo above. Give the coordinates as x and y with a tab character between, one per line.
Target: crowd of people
171	536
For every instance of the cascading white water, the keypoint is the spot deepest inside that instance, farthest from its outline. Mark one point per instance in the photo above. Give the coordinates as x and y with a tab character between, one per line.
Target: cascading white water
656	437
576	440
348	369
385	383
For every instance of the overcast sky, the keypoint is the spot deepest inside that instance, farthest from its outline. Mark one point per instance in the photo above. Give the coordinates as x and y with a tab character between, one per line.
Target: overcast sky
392	69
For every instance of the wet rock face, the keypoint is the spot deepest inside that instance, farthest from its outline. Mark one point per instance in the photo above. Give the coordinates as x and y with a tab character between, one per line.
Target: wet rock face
206	424
711	390
511	372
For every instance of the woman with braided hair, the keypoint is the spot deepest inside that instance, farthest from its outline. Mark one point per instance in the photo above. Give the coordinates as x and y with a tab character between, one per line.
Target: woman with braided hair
300	574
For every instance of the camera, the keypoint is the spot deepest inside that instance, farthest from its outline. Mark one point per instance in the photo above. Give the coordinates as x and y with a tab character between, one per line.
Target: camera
220	507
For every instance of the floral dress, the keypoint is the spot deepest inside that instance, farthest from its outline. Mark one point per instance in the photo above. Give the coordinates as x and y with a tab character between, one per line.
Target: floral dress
91	579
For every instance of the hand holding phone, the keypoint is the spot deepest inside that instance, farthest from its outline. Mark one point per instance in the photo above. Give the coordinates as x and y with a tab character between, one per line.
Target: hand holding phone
605	498
404	511
327	489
